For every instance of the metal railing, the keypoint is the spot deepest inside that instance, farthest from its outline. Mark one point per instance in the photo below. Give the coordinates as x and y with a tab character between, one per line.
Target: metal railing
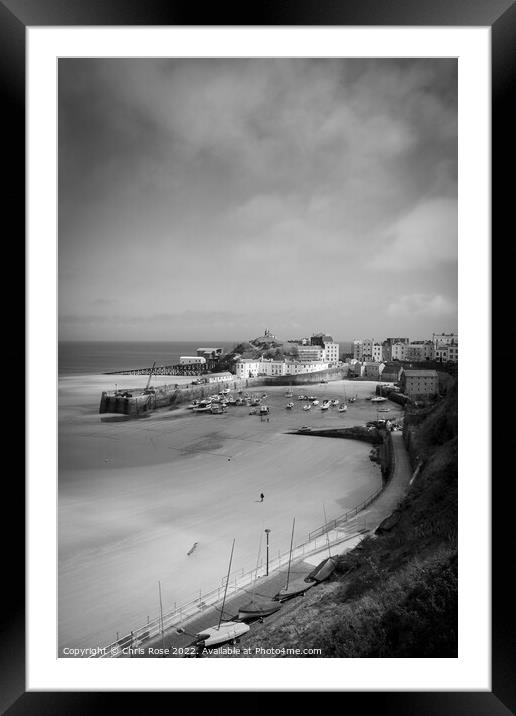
332	524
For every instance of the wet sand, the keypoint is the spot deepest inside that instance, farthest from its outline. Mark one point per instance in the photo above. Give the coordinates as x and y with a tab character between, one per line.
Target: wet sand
135	495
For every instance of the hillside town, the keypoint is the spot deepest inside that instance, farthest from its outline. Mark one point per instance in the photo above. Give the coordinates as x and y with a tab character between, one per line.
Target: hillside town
412	364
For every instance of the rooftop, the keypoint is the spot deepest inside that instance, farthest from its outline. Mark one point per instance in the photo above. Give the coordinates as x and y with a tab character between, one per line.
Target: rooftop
421	373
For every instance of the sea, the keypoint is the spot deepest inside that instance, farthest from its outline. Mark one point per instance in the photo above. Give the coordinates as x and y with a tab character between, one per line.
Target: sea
94	357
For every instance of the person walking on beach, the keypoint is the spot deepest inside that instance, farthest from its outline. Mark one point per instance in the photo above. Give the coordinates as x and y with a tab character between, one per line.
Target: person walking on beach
261	496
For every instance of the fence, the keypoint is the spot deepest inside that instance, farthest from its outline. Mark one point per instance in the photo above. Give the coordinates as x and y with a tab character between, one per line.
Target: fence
237	580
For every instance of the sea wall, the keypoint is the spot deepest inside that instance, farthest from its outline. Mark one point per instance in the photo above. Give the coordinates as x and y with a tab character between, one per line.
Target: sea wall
308	378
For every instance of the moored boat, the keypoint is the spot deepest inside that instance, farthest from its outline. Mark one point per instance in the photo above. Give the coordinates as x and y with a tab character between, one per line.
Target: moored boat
289	406
343	408
203	407
378	399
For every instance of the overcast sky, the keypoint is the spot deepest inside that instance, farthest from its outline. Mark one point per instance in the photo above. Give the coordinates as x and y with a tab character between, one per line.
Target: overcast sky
210	199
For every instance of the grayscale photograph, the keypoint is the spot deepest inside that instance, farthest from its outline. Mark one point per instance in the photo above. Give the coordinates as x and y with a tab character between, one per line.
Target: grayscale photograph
257	358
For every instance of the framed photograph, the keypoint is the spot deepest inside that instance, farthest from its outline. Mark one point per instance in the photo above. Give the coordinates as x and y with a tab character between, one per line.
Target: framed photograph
226	223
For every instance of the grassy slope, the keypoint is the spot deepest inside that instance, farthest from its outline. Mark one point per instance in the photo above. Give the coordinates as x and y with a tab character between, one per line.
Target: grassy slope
395	595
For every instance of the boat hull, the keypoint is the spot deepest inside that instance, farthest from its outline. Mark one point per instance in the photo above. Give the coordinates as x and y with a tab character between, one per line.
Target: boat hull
322	571
228	631
296	588
257	610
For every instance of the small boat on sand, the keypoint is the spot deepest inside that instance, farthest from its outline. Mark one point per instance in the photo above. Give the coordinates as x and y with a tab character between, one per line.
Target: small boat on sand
258	608
343	408
294	588
192	549
323	570
290	406
203	407
307	407
225	632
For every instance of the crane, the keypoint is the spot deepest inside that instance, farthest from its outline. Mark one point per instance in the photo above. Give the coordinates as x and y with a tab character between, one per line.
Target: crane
150	376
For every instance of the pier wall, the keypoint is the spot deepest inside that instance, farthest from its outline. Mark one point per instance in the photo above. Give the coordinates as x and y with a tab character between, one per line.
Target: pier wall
308	378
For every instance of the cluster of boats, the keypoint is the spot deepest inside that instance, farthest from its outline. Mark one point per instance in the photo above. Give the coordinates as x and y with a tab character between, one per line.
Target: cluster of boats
314	402
258	607
219	403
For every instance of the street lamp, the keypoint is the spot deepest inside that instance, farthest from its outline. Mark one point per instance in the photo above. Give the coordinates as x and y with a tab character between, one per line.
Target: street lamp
267	531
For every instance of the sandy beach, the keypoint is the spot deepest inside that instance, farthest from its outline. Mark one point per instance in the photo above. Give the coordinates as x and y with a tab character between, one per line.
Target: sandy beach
135	495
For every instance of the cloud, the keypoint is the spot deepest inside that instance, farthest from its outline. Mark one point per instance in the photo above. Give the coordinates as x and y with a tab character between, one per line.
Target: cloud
422	305
420	239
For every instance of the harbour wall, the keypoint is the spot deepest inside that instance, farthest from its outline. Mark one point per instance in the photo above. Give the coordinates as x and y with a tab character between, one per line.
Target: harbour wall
381	440
308	378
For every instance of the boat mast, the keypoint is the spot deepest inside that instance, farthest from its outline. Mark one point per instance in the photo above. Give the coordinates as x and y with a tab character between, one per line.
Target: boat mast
325	523
227	582
256	571
290	556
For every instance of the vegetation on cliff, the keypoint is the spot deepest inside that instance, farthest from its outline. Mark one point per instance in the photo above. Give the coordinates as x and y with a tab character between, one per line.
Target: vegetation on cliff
265	346
395	594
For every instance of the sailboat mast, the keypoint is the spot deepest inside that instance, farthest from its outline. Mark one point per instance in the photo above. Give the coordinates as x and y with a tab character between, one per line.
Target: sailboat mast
290	556
256	570
325	524
227	582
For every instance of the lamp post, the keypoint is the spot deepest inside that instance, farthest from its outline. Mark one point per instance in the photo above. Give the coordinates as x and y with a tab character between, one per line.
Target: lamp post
267	531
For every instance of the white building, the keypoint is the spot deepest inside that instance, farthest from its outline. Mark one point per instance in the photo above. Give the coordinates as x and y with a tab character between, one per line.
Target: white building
398	351
252	368
192	360
331	352
376	352
218	377
247	368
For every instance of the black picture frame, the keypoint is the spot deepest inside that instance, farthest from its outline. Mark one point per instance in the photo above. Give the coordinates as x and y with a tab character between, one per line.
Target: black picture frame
500	16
